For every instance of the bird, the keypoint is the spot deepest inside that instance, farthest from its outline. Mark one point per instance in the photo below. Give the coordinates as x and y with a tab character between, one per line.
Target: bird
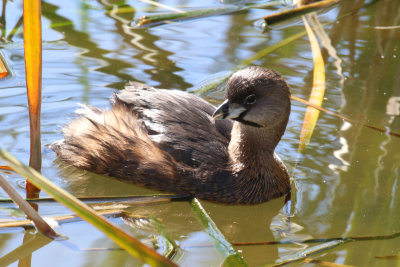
174	141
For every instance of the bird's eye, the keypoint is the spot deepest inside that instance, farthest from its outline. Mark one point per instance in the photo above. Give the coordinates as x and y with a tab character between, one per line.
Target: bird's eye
250	99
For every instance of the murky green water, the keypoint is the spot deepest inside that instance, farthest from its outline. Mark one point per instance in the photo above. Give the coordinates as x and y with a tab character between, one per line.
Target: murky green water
347	183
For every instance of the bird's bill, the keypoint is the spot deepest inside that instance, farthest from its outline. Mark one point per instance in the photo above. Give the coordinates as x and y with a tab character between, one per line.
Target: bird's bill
228	110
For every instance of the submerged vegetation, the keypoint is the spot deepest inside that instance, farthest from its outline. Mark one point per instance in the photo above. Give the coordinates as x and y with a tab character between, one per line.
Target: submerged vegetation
150	237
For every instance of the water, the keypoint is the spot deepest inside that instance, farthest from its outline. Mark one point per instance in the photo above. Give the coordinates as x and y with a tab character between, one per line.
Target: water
347	183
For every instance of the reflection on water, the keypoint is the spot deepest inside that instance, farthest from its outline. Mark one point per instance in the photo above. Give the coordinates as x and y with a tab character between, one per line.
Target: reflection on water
346	184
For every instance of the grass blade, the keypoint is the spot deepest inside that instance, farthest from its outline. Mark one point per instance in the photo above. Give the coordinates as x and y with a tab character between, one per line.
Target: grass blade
33	69
127	242
317	92
232	257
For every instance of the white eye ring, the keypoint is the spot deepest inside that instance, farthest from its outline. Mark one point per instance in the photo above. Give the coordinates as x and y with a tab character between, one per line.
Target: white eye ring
250	99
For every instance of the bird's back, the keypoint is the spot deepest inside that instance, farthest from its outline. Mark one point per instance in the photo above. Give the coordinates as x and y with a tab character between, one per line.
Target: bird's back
150	136
179	123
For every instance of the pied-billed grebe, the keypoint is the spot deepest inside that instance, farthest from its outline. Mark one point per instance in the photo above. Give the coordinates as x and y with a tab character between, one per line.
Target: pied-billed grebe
176	142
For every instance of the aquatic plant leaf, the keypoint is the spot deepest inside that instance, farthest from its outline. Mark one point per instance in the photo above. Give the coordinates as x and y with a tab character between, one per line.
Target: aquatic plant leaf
127	242
33	70
232	257
317	92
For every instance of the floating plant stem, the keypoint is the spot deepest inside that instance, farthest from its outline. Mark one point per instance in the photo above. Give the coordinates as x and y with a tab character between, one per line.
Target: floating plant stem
321	240
325	263
232	257
30	212
129	200
190	14
198	13
298	11
58	219
387	27
309	251
172	246
127	242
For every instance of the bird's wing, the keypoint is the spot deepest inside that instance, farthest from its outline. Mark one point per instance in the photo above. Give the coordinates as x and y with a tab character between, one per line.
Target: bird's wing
180	123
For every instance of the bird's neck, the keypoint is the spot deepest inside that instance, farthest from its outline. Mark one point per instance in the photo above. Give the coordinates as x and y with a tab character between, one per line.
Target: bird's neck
254	163
254	147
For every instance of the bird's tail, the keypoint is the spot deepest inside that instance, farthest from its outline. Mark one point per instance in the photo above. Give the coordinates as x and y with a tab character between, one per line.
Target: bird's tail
115	143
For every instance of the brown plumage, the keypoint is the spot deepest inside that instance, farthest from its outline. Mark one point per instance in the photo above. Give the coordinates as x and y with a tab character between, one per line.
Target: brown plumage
168	140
